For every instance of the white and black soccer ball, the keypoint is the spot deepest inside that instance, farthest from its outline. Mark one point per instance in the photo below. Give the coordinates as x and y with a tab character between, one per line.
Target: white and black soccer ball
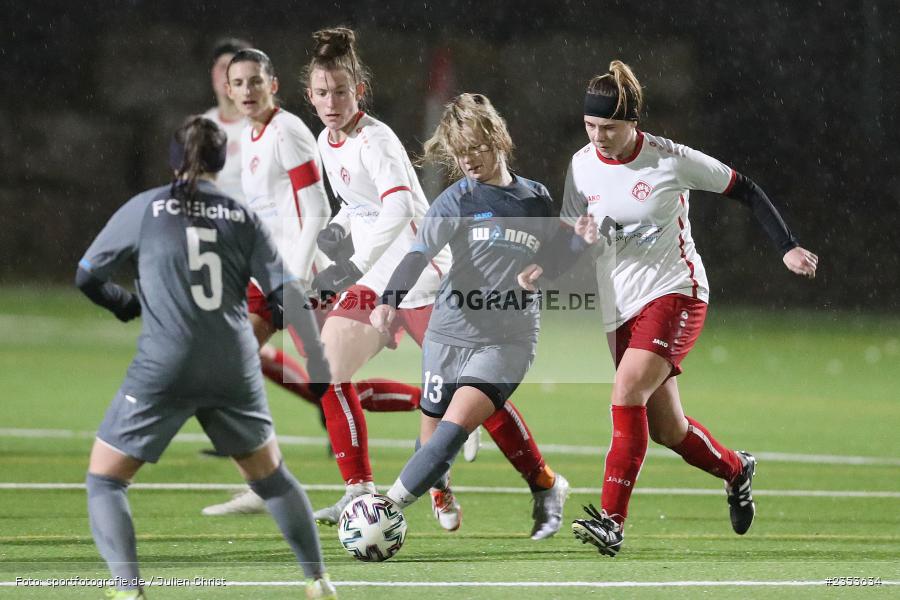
372	528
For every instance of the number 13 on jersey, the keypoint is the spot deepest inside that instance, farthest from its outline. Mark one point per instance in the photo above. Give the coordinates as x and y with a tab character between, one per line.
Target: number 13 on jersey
431	387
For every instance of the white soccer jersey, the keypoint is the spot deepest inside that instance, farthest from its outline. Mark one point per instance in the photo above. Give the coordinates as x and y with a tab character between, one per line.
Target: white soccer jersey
641	207
382	205
283	185
229	178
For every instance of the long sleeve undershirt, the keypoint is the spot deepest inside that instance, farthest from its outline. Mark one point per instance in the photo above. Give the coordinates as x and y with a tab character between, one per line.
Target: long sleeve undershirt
752	196
563	250
404	277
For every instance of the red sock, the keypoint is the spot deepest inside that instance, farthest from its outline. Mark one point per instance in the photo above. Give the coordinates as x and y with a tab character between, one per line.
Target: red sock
347	430
700	449
624	459
288	373
509	431
385	395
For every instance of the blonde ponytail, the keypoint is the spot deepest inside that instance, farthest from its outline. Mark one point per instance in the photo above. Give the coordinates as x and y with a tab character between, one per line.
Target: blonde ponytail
621	83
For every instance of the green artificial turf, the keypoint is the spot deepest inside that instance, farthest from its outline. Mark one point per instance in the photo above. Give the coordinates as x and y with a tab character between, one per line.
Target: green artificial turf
801	383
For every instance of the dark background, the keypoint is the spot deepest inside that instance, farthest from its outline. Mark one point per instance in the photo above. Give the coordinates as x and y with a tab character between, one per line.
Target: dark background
801	96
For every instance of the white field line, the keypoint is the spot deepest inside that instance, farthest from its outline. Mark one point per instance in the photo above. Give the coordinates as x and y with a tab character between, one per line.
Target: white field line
474	489
553	584
525	584
294	440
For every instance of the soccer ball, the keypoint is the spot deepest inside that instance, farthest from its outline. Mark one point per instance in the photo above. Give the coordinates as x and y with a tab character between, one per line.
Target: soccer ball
372	528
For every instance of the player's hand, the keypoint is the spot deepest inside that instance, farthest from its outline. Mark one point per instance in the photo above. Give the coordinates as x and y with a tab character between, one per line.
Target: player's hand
332	241
529	275
801	261
586	229
131	309
382	317
336	278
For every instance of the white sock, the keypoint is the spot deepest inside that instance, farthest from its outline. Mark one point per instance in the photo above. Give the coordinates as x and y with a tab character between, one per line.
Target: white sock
401	496
358	489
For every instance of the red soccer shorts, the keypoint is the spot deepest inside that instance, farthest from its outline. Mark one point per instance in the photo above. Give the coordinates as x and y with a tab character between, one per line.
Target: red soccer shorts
668	326
358	301
257	304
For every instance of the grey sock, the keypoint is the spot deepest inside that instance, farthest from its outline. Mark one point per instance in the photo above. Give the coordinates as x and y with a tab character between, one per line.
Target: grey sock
433	460
290	507
443	482
112	528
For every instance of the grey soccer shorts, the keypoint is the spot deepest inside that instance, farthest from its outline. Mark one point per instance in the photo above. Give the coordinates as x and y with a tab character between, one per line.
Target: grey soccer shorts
496	370
142	426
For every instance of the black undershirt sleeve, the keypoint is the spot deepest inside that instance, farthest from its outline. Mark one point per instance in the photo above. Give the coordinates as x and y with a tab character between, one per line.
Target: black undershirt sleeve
751	195
404	278
563	250
114	298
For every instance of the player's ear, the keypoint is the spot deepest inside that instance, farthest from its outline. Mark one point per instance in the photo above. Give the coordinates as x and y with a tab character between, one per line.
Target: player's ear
274	85
360	90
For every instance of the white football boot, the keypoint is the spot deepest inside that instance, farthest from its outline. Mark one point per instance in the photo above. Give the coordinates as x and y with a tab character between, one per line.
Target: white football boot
446	509
242	503
320	589
548	509
331	514
472	445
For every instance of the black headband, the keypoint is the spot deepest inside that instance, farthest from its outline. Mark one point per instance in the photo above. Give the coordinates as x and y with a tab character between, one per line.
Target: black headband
212	160
597	105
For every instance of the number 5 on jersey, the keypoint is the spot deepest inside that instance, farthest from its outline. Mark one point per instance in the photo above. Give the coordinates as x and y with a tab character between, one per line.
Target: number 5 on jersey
197	260
432	387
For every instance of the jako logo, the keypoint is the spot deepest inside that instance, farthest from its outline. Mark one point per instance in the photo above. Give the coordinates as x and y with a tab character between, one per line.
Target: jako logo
659	342
483	234
619	480
254	163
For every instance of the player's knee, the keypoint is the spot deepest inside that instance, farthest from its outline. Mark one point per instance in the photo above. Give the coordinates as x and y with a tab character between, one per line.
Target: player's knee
669	434
348	346
275	484
340	373
336	349
260	463
629	393
665	437
96	481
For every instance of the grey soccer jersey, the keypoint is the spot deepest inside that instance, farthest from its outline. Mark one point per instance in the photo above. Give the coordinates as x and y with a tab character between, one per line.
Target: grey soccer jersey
193	271
493	232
